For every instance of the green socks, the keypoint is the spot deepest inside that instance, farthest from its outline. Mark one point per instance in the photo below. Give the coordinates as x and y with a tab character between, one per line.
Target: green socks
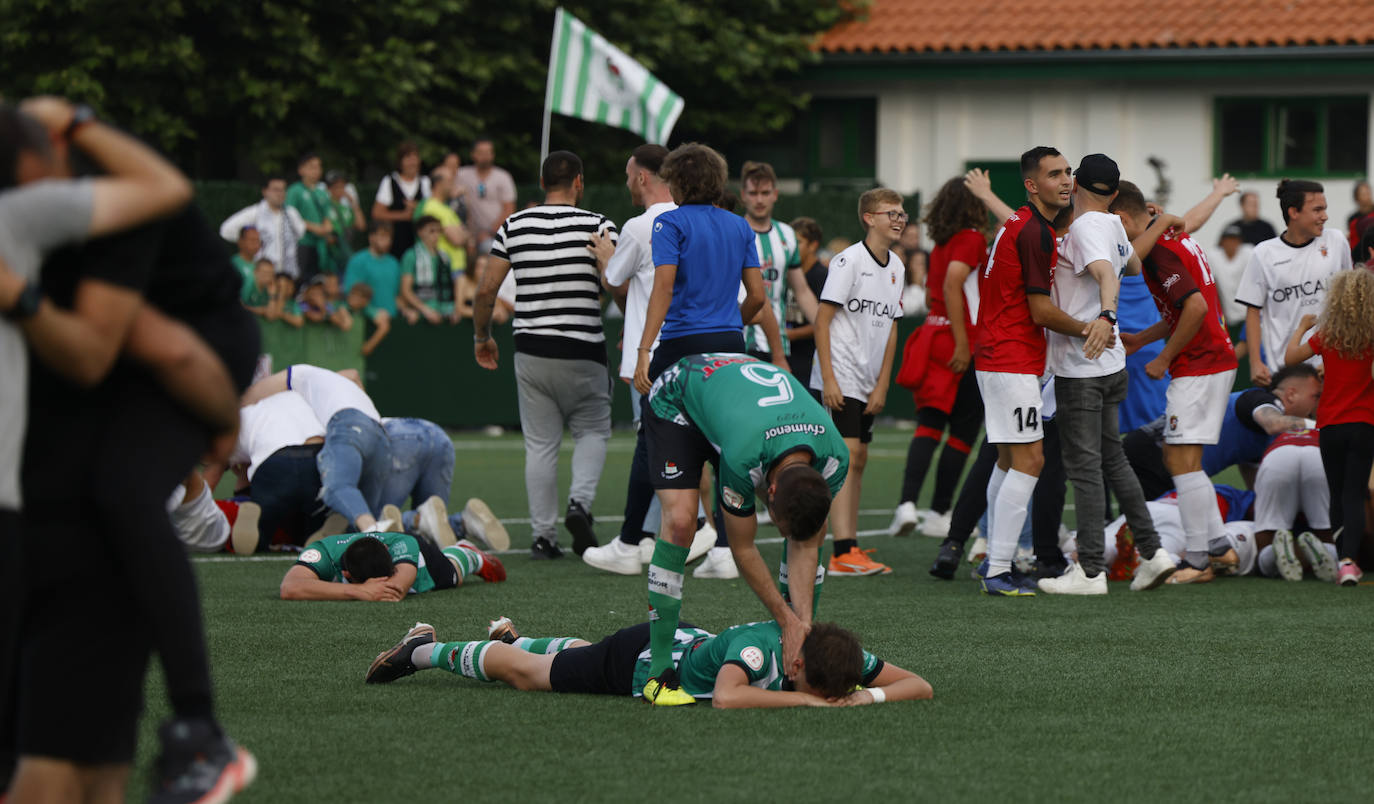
820	579
467	559
665	602
461	658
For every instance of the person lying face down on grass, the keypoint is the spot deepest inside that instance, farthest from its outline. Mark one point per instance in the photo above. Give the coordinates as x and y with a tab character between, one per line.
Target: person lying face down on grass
742	668
384	567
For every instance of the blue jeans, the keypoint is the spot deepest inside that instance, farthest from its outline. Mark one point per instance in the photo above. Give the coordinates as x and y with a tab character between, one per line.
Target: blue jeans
354	464
421	462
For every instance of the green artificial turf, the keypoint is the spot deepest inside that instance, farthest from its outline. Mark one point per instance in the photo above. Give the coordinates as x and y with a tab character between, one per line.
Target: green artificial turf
1244	689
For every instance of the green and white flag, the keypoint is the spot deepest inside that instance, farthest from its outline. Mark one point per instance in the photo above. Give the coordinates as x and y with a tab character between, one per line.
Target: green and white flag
592	79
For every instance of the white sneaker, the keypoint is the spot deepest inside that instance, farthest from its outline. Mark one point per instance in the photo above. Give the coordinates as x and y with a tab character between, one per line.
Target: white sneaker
1075	582
701	543
719	563
1318	558
390	520
978	550
479	522
1286	556
1151	574
244	535
646	548
433	522
615	556
904	520
934	524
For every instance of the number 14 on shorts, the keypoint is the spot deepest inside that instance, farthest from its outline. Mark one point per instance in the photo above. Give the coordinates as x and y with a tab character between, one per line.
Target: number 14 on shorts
1027	419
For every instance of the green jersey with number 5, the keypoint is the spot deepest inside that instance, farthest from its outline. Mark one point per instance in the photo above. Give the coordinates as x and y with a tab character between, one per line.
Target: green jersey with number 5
753	413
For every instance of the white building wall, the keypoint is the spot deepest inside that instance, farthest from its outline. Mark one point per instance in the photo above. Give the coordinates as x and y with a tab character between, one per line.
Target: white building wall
927	132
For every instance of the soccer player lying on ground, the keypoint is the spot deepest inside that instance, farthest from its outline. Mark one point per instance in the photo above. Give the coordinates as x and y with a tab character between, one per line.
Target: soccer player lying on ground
384	567
764	434
742	668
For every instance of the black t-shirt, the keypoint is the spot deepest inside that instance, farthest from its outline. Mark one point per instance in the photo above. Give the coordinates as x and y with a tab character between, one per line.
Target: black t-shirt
1249	401
1254	232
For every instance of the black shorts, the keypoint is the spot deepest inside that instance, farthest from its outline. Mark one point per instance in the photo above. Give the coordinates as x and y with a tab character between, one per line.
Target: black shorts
674	349
850	420
605	668
83	652
676	452
444	573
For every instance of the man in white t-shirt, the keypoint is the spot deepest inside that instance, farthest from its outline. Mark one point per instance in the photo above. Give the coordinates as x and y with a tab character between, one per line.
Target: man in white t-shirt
279	227
356	456
279	442
855	343
1095	254
1287	275
1228	261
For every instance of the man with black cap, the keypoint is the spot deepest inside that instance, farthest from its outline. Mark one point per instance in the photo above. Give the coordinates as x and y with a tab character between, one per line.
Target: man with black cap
1089	385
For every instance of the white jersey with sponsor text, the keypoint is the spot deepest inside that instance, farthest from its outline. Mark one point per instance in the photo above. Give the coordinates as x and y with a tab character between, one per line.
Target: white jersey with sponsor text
869	295
1287	282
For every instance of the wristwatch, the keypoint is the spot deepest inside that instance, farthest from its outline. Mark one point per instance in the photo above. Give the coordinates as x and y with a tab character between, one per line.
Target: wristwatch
81	115
1110	315
26	305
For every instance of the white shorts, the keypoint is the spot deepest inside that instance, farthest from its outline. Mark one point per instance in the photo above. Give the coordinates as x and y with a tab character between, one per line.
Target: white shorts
1011	405
199	523
1291	479
1195	406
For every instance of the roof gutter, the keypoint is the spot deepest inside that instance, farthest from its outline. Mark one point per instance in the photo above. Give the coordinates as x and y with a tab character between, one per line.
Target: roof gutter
1014	57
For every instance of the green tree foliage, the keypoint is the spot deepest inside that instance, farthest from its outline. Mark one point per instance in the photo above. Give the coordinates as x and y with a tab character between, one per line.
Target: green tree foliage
237	88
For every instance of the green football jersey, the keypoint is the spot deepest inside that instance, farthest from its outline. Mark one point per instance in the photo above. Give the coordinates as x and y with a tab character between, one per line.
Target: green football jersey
753	413
311	203
778	253
755	647
325	557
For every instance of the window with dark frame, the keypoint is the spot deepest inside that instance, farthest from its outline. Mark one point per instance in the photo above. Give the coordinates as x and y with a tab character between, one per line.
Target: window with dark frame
1311	136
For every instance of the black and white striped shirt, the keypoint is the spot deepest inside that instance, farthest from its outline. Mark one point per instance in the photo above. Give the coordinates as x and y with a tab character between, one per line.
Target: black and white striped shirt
558	288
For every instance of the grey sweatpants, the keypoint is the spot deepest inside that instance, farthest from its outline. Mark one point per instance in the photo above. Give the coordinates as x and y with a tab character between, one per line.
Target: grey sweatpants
554	393
1090	443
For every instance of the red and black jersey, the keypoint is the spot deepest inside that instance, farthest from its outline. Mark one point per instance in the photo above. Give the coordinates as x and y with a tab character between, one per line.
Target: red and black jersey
1175	269
966	246
1020	262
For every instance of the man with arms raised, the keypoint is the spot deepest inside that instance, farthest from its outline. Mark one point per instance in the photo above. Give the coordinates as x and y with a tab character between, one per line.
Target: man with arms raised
1090	383
1201	364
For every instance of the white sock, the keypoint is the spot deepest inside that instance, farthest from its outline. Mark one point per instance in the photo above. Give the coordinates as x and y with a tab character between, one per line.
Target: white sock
1197	505
1331	550
423	656
1268	565
994	488
1009	516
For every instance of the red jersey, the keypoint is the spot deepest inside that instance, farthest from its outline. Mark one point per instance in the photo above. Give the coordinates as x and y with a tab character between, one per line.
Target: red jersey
1021	261
966	246
1348	389
1175	269
1300	438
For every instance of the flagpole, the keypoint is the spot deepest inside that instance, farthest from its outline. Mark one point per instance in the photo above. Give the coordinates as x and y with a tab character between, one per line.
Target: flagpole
548	86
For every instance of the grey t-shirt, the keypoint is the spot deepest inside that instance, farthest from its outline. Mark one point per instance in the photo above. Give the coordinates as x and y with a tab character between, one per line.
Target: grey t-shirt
34	220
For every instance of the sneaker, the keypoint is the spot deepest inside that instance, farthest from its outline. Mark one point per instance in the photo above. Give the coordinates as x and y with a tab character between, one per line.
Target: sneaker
1286	556
1349	573
1039	570
1185	573
934	524
1021	579
947	561
615	556
502	630
1004	586
664	690
394	662
978	551
544	549
1318	558
1124	566
391	520
1076	582
702	542
856	562
904	520
1227	563
334	524
481	523
492	571
579	523
244	537
199	763
1153	572
981	571
433	522
719	563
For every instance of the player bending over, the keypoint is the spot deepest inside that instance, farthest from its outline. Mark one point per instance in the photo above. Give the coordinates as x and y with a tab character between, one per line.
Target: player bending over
384	566
741	668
